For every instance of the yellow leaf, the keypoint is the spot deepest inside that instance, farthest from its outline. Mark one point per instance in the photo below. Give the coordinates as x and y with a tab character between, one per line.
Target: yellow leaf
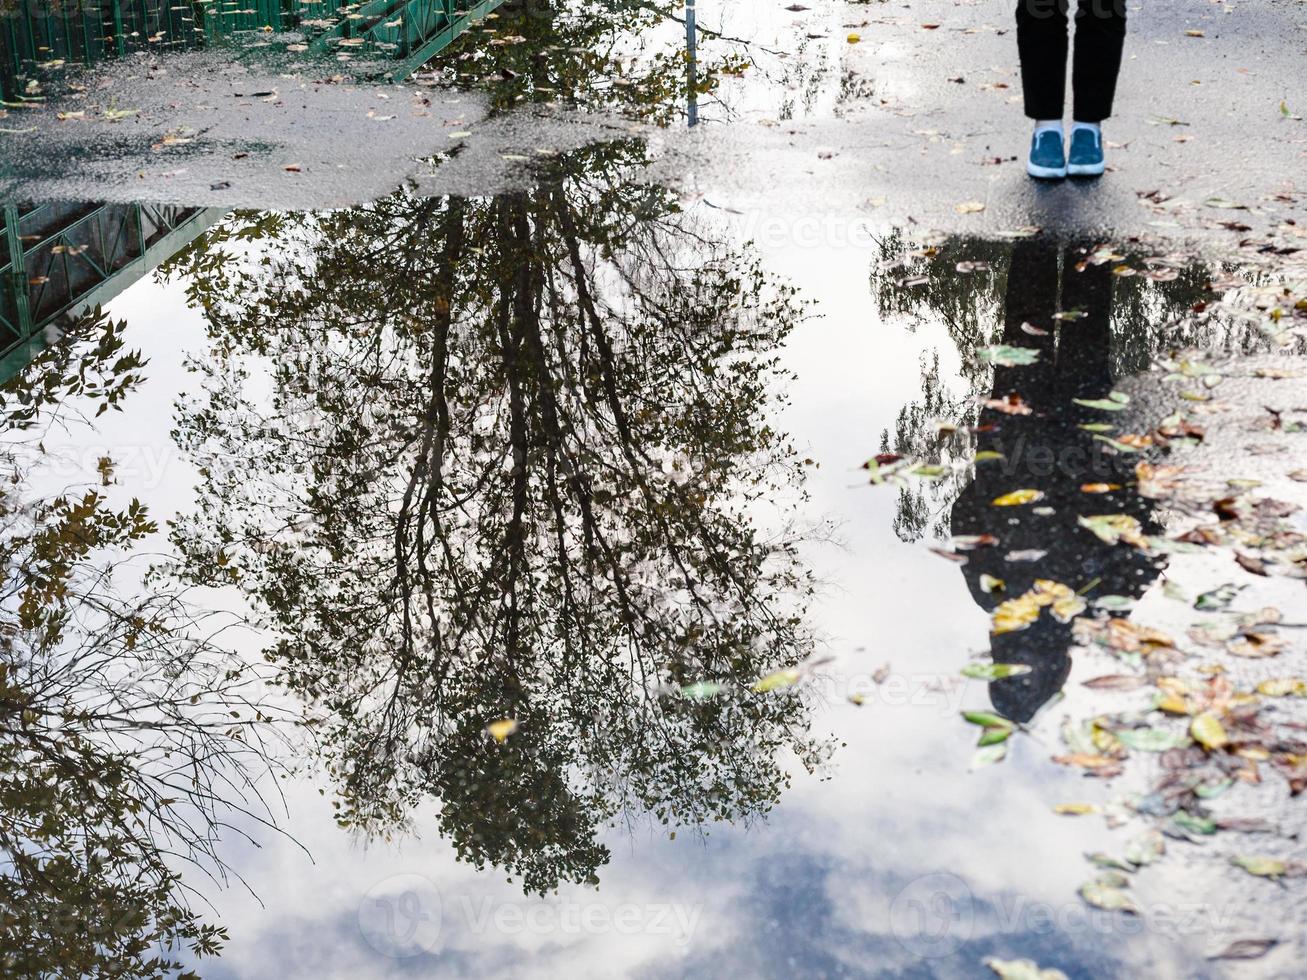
1208	731
1068	608
781	678
1018	497
1283	687
1173	705
502	728
1015	614
1075	809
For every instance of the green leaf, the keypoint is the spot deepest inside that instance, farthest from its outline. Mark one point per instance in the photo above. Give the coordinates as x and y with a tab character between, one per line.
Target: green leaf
988	755
1107	861
1120	447
987	719
1153	739
994	672
1104	896
1262	867
1005	355
1145	849
1219	598
1114	402
1194	824
993	736
701	690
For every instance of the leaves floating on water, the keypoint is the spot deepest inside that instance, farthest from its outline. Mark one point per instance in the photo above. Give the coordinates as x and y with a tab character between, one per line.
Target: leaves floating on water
1111	528
1145	849
1005	355
1117	682
994	672
1153	739
1283	687
987	755
1018	498
1208	731
987	719
1018	613
702	690
1219	598
1114	402
1246	949
1103	895
1264	867
1075	809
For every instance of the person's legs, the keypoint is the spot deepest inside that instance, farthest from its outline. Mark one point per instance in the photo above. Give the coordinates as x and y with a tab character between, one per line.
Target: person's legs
1100	38
1042	47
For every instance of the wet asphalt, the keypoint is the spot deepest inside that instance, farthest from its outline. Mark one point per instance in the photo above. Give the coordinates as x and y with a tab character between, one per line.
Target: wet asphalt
924	124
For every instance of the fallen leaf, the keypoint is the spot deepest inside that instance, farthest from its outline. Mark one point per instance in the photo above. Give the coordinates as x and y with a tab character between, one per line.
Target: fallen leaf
1106	897
1208	731
994	672
777	679
1246	949
1117	682
1018	498
1114	402
1005	355
1152	739
1022	970
988	755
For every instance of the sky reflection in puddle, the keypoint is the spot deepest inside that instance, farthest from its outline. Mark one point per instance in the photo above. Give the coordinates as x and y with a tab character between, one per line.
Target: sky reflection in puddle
570	413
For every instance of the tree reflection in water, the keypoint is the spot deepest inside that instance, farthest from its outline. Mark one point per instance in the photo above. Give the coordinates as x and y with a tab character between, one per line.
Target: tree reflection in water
475	459
130	740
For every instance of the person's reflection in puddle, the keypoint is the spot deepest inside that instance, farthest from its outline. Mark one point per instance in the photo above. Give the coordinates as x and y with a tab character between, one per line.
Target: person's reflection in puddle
1049	450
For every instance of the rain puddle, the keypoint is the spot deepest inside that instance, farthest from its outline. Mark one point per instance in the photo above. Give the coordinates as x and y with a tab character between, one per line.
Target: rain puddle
609	577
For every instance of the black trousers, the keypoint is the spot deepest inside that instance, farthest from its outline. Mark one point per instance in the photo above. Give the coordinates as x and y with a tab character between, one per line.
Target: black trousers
1042	44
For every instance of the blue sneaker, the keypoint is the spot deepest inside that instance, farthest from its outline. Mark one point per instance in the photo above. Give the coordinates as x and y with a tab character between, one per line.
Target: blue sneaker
1047	159
1086	154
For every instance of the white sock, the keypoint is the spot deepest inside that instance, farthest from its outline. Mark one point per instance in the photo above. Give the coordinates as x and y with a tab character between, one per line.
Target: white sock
1044	125
1094	128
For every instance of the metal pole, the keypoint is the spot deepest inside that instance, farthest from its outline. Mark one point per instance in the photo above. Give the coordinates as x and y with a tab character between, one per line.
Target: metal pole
691	67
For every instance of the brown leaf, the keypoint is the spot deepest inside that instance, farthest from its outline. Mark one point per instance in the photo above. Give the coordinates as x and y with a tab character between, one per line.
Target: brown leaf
1246	949
1250	564
1117	682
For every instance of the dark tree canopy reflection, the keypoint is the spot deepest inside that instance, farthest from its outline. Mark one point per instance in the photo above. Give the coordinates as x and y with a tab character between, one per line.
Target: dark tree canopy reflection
627	55
480	459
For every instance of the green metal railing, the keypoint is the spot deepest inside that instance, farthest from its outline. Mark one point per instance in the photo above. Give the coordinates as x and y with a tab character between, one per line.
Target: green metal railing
411	31
38	36
61	259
